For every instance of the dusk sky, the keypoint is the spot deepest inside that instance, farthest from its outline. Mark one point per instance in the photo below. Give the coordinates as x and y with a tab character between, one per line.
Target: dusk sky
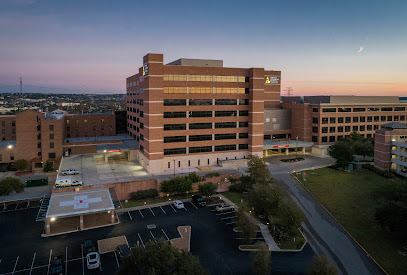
321	47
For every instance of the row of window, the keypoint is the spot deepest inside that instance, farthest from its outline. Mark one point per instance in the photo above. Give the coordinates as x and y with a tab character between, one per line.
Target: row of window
204	90
341	129
84	122
3	124
195	126
205	149
205	114
204	102
205	78
369	109
333	138
204	137
356	119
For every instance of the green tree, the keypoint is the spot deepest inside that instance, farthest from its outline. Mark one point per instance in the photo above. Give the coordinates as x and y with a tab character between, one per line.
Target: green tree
5	188
247	230
207	189
194	177
21	165
10	184
289	208
261	260
321	266
160	258
263	199
363	148
343	153
48	167
258	171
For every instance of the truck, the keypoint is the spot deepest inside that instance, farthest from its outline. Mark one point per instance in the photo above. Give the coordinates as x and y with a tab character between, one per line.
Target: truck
67	182
70	172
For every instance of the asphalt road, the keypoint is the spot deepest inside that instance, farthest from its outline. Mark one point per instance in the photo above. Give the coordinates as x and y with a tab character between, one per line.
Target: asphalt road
324	233
24	251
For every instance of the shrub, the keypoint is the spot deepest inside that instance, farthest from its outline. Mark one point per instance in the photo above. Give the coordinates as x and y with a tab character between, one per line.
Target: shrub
181	184
48	167
207	189
143	194
194	177
5	188
21	164
10	184
213	174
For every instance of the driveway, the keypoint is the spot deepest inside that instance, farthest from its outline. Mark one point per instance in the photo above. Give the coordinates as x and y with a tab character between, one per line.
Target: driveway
323	232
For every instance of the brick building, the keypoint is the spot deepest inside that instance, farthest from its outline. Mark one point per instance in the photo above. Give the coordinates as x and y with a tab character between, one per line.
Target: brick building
40	137
195	112
391	148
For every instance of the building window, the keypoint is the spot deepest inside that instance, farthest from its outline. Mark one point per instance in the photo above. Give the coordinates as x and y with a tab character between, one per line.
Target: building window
243	102
225	136
38	136
324	130
383	118
324	120
11	156
169	164
359	109
243	135
195	102
389	118
199	162
225	147
375	127
327	110
193	126
175	90
51	145
387	109
225	113
200	137
402	118
226	102
243	113
362	119
179	163
204	149
355	119
175	139
315	129
373	109
332	120
174	114
175	151
225	125
175	77
347	128
225	78
340	129
51	155
344	110
324	139
315	120
173	127
347	119
362	128
314	138
376	118
340	119
369	127
175	102
332	129
51	127
243	146
141	126
398	109
369	119
51	136
355	129
141	137
332	139
13	123
243	124
200	114
38	127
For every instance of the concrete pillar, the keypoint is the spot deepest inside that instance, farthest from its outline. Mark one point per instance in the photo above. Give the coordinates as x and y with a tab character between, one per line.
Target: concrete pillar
81	225
303	150
279	151
47	227
266	153
106	158
286	151
112	216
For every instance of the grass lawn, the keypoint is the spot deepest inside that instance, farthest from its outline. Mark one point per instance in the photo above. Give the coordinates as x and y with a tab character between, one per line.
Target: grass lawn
291	243
350	198
132	203
234	197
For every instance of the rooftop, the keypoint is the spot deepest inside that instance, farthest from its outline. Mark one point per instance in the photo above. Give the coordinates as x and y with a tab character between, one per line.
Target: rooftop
395	125
197	62
77	203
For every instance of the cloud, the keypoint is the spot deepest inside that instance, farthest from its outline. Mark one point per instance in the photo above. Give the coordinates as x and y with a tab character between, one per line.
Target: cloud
360	49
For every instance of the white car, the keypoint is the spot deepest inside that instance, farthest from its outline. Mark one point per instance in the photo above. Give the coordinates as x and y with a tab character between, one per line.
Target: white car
70	172
93	260
224	207
178	204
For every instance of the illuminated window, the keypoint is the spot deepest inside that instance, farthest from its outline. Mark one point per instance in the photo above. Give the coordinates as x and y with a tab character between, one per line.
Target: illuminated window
85	121
200	90
206	78
67	121
226	91
227	78
102	120
175	90
175	77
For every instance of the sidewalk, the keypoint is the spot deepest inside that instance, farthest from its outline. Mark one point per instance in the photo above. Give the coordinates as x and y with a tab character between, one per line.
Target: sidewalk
28	193
263	228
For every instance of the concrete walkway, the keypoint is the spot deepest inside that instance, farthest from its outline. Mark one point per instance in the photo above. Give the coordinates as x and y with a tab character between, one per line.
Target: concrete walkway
263	228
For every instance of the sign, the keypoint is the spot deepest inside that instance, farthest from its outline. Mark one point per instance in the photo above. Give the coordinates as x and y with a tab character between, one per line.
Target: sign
111	151
145	69
281	146
272	80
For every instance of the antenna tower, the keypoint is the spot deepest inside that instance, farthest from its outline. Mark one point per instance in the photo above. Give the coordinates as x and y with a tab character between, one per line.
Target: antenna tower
289	90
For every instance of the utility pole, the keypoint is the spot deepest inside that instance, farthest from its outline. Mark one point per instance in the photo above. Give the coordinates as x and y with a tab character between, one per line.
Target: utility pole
296	149
289	90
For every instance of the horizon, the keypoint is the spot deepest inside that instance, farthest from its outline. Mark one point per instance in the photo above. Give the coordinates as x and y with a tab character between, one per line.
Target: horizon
321	48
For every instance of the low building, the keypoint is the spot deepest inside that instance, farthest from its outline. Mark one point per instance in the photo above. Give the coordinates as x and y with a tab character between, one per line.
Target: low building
390	151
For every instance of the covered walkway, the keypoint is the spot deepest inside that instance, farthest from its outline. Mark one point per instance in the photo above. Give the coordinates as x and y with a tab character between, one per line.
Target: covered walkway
285	147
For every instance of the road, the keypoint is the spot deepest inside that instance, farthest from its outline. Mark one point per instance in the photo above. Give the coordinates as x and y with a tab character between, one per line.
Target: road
323	232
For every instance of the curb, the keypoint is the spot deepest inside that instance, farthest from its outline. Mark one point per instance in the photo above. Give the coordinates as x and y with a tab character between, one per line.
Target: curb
296	250
340	224
148	206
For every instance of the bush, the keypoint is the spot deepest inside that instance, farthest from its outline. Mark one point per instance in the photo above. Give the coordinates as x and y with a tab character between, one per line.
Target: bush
21	164
181	184
10	184
143	194
5	188
194	177
48	167
207	189
213	174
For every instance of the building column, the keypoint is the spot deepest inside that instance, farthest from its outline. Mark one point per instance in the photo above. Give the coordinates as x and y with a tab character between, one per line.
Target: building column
47	227
286	151
266	153
279	151
112	216
303	150
106	158
81	226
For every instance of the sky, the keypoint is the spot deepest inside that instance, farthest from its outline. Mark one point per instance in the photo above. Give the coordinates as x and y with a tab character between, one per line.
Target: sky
347	47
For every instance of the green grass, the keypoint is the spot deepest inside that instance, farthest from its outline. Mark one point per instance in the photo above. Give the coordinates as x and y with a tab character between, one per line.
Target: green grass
234	197
350	197
291	244
132	203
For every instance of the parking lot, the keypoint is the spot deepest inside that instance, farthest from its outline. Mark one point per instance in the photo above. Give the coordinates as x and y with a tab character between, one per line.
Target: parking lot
212	240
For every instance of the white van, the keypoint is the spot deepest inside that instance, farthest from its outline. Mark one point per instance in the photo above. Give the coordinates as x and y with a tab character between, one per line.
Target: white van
67	182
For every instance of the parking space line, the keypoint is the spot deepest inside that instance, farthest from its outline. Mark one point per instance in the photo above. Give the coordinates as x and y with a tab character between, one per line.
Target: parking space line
66	260
185	208
231	222
16	206
194	205
100	264
173	208
49	261
152	211
223	213
32	264
163	210
129	215
117	261
15	265
165	234
141	213
152	235
141	240
227	218
83	264
72	260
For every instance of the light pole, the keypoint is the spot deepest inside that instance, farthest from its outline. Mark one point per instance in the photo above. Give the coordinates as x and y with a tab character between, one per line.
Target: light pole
296	149
174	168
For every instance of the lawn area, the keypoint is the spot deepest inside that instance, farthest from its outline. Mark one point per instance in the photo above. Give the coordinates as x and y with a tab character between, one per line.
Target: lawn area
350	197
234	197
132	203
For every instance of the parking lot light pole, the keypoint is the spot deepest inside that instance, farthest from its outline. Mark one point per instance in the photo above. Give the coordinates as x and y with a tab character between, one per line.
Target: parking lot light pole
296	149
174	168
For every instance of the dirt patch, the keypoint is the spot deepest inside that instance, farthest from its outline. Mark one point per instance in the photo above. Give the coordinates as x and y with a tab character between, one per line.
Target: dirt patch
110	244
184	242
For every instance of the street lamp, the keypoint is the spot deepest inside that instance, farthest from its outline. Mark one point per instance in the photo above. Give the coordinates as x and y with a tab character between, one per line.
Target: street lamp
174	168
296	149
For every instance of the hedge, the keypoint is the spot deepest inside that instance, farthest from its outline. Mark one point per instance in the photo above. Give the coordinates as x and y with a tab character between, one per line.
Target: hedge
143	194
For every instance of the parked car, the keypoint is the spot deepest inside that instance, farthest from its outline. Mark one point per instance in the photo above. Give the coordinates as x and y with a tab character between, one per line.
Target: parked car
70	172
57	266
93	260
178	204
198	201
122	251
224	207
89	246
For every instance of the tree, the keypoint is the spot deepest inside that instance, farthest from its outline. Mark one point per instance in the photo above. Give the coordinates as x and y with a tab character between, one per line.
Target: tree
321	266
247	229
288	207
261	259
258	170
207	189
21	165
160	258
263	199
48	167
363	148
10	184
343	153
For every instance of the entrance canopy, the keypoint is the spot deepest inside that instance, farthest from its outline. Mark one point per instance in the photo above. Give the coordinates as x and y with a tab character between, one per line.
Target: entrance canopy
269	144
68	204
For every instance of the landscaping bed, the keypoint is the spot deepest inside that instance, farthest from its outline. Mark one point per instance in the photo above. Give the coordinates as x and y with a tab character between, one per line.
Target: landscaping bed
292	160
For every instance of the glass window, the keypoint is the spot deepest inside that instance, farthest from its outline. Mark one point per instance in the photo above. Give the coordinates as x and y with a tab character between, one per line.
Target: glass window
174	114
344	110
243	135
359	109
194	102
340	129
369	127
314	138
402	118
225	113
243	113
204	78
200	90
355	119
362	119
203	149
51	155
243	102
347	128
173	127
332	120
175	77
51	145
328	110
200	137
175	102
226	90
225	147
376	118
315	120
200	114
324	129
193	126
347	119
324	139
243	146
332	129
355	129
225	136
175	151
389	118
225	125
324	120
362	128
315	110
340	119
243	124
51	127
175	90
226	102
332	139
383	118
51	136
399	109
315	129
369	119
387	109
373	109
175	139
226	78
